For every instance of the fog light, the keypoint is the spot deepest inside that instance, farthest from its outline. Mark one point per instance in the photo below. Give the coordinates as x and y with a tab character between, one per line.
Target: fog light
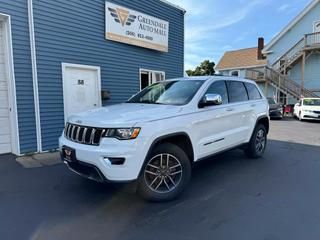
115	161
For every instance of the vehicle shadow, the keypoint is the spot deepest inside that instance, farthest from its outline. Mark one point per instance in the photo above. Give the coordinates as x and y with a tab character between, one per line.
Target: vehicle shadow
291	119
53	203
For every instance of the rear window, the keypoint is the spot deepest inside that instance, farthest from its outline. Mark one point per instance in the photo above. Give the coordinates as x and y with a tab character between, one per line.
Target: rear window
237	92
253	91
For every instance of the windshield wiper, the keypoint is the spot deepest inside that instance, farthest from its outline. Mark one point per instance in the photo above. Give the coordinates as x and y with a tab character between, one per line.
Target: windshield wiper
146	102
150	102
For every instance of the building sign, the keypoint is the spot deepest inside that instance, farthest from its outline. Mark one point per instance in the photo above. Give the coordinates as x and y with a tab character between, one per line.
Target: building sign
135	28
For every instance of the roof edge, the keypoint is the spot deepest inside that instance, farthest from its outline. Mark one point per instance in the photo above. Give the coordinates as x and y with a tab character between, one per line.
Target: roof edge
241	49
174	5
232	51
291	24
243	67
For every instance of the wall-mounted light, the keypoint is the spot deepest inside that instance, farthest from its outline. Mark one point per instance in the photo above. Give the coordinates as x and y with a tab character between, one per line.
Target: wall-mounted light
105	95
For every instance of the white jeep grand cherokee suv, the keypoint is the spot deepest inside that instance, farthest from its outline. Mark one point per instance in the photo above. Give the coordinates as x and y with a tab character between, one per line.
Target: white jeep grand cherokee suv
157	135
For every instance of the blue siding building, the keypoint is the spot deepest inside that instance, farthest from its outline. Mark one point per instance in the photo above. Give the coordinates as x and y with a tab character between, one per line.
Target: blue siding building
57	61
291	60
294	51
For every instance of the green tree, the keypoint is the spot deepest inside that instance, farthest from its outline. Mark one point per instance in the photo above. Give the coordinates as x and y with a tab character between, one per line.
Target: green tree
206	68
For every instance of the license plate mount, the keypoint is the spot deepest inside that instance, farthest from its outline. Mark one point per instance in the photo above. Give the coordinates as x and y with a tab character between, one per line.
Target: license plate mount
69	154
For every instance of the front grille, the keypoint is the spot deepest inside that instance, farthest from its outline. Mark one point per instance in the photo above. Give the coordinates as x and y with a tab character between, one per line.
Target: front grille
83	134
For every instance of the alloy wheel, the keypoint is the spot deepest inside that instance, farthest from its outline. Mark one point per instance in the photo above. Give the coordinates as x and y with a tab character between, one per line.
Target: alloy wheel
163	173
260	141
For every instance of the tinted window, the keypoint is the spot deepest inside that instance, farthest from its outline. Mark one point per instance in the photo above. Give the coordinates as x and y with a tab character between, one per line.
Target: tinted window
311	102
253	92
168	93
237	92
219	88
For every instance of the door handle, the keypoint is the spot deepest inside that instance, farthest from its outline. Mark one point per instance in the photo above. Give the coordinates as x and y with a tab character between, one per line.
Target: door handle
229	109
253	105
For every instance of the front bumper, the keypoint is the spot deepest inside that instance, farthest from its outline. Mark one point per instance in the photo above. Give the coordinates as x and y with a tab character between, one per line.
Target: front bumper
275	113
86	170
310	115
93	161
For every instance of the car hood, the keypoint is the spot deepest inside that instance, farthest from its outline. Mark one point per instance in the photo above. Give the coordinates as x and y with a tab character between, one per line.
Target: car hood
311	108
124	115
274	106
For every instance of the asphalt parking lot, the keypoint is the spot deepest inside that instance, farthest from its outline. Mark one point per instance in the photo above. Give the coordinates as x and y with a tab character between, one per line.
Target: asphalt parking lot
230	197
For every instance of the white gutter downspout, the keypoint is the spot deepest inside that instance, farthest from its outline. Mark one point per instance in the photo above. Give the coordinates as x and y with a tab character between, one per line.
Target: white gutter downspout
34	75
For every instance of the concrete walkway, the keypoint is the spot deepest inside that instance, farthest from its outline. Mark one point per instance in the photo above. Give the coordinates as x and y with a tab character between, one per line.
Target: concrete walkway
39	160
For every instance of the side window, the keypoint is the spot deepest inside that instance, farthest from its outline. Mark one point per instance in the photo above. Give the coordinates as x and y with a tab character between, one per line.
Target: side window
237	91
253	92
220	88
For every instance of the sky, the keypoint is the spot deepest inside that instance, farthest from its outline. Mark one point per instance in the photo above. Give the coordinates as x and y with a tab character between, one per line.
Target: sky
216	26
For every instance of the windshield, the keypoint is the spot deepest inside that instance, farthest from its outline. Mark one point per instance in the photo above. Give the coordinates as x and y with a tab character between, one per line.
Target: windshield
271	101
168	93
311	102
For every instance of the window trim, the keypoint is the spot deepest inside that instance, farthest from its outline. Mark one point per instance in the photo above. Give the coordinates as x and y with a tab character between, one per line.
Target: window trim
257	88
149	71
315	25
233	71
244	88
206	90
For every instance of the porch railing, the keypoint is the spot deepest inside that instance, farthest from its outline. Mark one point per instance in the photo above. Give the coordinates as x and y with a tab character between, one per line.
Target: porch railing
312	40
280	81
309	41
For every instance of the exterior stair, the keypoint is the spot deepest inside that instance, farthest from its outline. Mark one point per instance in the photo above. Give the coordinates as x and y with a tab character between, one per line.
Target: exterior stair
306	45
277	74
280	81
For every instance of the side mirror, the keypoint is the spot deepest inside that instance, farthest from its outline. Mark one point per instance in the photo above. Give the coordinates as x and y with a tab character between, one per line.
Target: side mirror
211	100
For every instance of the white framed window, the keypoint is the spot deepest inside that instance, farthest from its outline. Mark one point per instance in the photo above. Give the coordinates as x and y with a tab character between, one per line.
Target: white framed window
235	73
148	77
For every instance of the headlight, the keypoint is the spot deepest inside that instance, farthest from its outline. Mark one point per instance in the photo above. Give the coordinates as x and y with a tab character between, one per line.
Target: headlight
123	133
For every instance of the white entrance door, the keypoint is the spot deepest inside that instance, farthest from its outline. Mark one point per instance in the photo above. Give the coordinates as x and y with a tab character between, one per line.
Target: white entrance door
81	88
5	134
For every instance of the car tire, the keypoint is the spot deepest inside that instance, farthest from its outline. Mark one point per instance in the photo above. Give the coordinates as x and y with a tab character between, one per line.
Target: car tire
165	174
258	142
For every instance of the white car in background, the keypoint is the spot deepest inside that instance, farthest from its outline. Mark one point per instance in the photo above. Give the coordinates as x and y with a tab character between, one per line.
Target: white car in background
307	108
